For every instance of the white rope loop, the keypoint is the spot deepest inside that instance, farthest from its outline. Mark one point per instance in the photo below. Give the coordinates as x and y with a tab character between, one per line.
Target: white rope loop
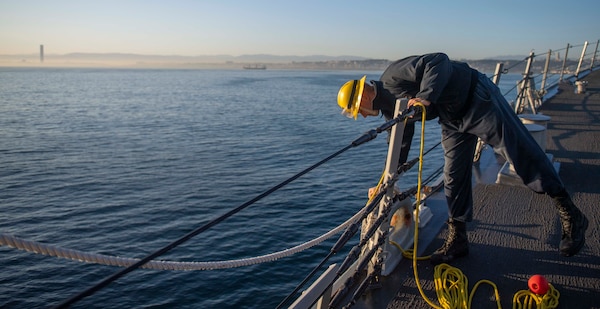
76	255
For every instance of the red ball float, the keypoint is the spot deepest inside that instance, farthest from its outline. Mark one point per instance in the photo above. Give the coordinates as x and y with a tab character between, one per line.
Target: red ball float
538	284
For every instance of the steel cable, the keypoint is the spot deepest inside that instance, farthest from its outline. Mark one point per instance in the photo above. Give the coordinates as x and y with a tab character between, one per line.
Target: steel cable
362	139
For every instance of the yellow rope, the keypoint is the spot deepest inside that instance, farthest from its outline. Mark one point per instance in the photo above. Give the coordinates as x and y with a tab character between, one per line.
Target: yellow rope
451	284
414	257
526	299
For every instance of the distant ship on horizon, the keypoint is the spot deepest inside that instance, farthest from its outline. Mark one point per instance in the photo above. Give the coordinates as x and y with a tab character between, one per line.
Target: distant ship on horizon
255	67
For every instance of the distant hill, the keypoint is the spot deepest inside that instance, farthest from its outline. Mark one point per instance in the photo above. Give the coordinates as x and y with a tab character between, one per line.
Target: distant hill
207	58
346	62
177	58
507	57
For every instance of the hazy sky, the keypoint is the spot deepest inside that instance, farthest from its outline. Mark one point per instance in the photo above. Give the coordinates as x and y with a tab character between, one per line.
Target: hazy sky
377	29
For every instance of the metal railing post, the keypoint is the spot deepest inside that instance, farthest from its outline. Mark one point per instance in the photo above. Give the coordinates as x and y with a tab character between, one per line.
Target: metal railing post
388	255
562	70
497	73
594	56
524	86
546	68
581	59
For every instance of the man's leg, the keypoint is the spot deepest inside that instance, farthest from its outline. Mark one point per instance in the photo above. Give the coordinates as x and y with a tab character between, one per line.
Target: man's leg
458	159
492	119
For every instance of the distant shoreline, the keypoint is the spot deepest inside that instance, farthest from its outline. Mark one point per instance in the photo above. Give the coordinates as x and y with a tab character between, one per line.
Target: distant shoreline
126	61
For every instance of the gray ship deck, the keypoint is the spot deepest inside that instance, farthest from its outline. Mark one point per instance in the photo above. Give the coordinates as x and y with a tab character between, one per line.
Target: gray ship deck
515	232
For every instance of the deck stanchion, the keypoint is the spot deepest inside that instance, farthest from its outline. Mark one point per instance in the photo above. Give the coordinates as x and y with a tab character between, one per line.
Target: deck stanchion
562	70
498	73
388	255
581	59
546	68
527	90
594	56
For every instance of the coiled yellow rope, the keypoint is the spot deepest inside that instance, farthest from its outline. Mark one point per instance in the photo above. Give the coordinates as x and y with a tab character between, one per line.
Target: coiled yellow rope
451	284
526	299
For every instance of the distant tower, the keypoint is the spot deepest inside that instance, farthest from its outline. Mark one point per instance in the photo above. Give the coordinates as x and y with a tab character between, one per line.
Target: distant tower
42	53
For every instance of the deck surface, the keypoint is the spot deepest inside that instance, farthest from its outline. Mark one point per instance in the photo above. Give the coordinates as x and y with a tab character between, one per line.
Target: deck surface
515	232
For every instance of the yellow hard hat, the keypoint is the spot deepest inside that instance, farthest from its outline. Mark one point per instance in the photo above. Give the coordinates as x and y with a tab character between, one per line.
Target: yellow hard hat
349	97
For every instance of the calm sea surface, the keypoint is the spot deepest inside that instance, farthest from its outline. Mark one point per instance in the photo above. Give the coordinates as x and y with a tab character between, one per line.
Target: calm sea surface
124	162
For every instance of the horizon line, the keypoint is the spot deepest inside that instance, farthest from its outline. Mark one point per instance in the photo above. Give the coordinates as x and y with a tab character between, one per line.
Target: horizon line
338	57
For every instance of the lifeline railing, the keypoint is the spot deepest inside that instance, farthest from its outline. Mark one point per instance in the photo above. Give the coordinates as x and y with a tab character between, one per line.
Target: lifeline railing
374	255
528	97
133	264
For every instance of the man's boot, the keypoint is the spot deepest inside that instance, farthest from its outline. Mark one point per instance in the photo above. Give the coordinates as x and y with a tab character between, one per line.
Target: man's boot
574	223
456	245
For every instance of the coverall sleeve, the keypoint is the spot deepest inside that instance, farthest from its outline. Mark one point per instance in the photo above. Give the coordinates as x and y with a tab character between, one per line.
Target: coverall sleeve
419	76
422	77
433	71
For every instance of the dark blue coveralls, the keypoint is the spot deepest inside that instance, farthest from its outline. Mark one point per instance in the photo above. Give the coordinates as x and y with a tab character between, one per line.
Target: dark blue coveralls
469	106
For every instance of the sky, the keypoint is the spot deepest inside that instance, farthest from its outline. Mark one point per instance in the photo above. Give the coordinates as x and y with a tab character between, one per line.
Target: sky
385	29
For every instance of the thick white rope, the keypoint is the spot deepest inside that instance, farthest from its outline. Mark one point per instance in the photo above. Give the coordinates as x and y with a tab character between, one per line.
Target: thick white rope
76	255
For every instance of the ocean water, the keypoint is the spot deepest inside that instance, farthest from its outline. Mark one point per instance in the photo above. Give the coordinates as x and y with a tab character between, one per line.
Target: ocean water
123	162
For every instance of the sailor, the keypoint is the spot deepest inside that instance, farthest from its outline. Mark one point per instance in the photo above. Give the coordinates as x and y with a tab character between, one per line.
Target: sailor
468	106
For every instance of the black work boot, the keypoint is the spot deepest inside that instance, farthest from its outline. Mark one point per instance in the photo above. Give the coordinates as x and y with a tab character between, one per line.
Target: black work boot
574	223
456	245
